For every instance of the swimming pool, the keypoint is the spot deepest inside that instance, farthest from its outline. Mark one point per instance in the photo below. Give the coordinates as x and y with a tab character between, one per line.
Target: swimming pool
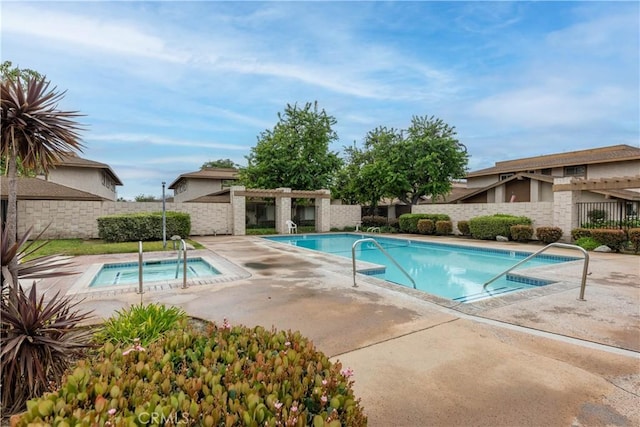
153	271
450	271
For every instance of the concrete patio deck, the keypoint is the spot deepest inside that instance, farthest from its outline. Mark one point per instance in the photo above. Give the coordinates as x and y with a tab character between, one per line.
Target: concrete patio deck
541	358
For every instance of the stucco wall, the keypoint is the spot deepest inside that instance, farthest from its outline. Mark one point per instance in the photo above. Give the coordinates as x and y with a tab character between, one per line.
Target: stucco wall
197	188
78	219
84	179
541	213
617	169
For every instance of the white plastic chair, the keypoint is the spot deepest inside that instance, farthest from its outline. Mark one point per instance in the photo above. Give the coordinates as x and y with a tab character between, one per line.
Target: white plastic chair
292	227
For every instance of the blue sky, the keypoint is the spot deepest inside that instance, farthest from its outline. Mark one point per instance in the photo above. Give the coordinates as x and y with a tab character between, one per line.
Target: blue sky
169	85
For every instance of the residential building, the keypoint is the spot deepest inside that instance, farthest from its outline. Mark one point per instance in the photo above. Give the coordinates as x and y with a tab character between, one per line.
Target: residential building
531	179
202	185
85	175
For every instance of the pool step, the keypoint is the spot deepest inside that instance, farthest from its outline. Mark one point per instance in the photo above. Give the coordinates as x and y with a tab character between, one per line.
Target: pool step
485	294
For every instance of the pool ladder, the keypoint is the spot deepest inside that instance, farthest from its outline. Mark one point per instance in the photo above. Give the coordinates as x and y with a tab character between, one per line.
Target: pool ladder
353	259
583	284
182	251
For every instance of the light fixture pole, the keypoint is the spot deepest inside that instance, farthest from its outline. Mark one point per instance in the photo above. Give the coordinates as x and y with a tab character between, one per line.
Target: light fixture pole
164	219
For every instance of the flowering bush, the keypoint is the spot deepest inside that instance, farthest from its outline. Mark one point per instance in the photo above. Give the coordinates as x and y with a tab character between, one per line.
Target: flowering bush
226	375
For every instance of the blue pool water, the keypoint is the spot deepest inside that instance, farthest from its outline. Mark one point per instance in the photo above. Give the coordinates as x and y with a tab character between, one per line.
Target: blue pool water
153	271
449	271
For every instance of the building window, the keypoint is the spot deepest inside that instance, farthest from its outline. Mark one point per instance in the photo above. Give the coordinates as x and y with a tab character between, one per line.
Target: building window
575	170
504	176
108	182
546	171
181	188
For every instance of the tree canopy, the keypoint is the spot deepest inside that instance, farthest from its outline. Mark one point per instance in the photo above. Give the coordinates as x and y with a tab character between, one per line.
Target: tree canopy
419	161
295	153
220	163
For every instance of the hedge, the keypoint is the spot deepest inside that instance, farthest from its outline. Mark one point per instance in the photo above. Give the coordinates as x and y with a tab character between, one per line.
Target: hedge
463	227
578	233
409	222
373	221
426	226
490	226
521	233
444	228
634	238
549	234
613	238
142	226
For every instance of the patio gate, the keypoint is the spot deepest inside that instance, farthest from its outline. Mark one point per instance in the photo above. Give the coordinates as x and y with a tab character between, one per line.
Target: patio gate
621	214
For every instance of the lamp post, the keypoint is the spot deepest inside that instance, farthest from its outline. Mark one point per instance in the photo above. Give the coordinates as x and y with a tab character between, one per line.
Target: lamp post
164	219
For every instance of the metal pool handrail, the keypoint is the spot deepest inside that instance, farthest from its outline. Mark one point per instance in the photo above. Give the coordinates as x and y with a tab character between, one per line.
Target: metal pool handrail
353	259
182	250
140	275
583	285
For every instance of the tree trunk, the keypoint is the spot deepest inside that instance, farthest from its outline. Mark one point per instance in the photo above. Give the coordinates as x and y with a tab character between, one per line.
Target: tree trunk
12	212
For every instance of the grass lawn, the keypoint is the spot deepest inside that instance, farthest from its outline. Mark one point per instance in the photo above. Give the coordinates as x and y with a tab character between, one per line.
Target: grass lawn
98	247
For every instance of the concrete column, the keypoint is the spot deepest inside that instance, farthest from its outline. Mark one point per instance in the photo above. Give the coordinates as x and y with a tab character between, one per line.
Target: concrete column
534	190
499	194
323	213
565	213
283	210
238	211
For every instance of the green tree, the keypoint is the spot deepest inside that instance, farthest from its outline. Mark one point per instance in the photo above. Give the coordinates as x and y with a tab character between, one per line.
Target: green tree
295	153
220	163
426	160
359	181
420	161
35	133
147	198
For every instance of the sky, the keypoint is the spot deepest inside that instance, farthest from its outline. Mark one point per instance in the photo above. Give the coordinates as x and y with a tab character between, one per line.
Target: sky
166	86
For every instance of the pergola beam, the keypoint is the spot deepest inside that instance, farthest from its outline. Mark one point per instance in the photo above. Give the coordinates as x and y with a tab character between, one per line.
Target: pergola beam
616	183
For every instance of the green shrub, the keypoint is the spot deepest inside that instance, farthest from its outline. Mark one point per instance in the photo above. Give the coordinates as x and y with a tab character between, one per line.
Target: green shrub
226	375
521	233
615	239
634	239
587	243
373	221
140	323
142	226
578	233
426	226
393	224
444	228
490	226
463	227
549	234
409	222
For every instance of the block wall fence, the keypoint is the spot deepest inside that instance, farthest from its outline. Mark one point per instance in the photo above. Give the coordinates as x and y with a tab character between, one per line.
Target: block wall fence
78	219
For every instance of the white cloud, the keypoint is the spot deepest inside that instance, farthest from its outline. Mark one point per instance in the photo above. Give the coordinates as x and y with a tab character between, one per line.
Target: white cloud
118	138
89	32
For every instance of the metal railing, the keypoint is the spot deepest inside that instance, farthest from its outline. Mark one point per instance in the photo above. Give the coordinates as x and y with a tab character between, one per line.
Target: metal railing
583	285
140	264
353	259
182	251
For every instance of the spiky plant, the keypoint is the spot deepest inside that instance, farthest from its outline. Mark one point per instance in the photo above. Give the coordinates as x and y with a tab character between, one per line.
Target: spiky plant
34	132
34	268
38	340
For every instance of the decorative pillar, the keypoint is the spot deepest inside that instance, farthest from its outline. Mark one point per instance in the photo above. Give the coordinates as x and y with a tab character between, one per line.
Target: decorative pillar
323	211
238	211
283	210
565	209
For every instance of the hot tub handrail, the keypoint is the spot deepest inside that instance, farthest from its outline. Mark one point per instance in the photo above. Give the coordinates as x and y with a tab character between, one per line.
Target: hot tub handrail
353	259
585	269
140	266
182	251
